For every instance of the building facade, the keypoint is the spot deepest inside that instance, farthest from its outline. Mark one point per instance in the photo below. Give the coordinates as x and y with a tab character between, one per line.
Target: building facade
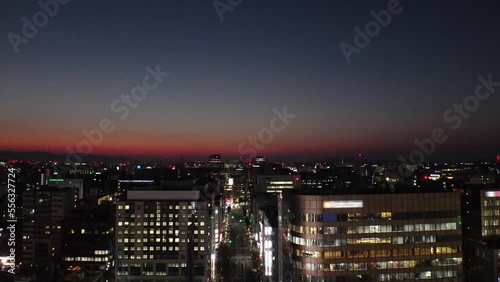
43	213
88	238
374	237
276	183
163	236
481	230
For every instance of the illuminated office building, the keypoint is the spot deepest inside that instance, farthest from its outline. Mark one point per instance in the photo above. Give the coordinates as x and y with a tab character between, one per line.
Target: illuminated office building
267	221
481	229
276	183
374	237
267	243
163	235
481	214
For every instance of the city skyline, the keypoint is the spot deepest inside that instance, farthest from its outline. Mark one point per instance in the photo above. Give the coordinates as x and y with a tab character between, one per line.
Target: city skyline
226	77
249	140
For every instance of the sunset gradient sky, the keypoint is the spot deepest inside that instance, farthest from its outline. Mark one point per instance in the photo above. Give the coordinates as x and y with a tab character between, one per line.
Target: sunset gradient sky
226	77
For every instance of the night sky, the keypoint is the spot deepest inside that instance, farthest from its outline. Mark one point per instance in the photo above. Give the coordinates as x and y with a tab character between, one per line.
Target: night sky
227	76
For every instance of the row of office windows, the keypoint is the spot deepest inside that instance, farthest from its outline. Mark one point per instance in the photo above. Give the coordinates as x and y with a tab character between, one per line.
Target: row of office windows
158	215
339	217
159	231
395	252
426	275
158	223
152	240
163	248
161	215
491	203
494	212
162	255
491	231
145	239
158	206
158	248
88	259
491	222
374	240
376	265
373	228
390	253
146	269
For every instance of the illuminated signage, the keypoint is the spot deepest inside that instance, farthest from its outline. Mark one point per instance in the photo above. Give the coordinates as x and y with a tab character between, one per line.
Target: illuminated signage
56	180
492	194
342	204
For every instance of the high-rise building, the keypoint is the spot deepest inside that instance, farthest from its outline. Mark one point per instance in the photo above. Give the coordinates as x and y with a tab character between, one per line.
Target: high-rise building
481	214
276	183
267	243
88	238
267	221
68	183
124	184
42	216
374	237
164	235
481	229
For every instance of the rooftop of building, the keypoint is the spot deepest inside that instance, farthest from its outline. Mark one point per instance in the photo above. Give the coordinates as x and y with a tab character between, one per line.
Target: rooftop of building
51	189
366	191
166	195
174	190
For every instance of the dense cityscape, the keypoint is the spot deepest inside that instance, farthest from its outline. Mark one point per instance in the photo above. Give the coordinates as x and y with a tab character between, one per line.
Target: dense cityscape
250	220
249	141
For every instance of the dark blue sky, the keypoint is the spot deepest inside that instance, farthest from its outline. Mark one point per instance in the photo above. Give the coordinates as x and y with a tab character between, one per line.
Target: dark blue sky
226	77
